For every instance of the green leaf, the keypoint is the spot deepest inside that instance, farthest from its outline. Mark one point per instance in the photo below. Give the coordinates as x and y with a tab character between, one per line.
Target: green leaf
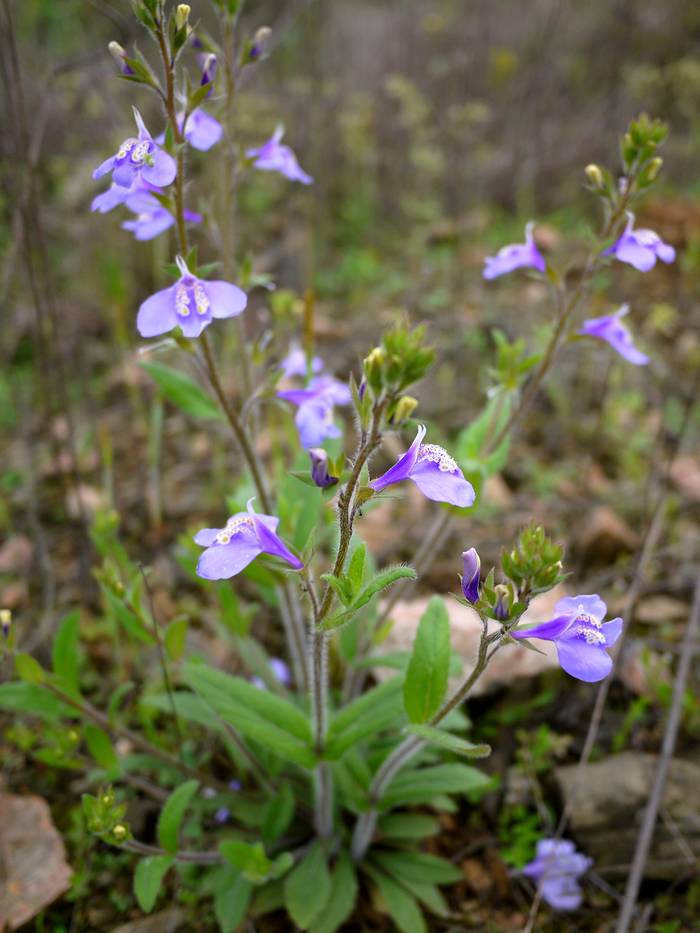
259	715
452	743
424	784
148	878
417	866
398	903
100	747
29	670
278	814
64	652
34	701
172	814
307	888
182	391
374	711
408	826
425	685
231	900
341	901
252	861
356	568
175	636
381	581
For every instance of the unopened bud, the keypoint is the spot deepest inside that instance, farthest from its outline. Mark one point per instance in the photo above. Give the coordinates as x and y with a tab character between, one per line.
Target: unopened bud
405	407
209	64
5	622
319	468
501	611
373	365
594	175
260	44
182	14
120	832
119	55
471	578
654	168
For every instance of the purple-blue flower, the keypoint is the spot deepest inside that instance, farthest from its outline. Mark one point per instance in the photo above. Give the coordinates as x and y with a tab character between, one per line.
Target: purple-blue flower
281	672
640	248
245	536
190	304
118	194
314	417
556	869
151	217
580	635
611	329
433	471
294	363
319	468
139	157
471	578
515	256
202	131
273	156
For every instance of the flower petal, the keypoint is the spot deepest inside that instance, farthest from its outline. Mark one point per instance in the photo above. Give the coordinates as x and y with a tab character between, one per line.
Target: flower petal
403	466
591	604
589	663
226	300
206	536
665	252
202	131
271	543
562	892
105	167
124	175
314	421
226	560
157	314
641	257
163	171
149	226
550	630
193	325
109	199
612	631
441	485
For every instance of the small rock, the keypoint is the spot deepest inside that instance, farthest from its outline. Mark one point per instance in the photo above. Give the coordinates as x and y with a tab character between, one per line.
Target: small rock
33	866
606	801
508	664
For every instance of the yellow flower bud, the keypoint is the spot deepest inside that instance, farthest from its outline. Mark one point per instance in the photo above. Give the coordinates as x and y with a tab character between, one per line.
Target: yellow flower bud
654	167
594	175
120	832
405	407
182	14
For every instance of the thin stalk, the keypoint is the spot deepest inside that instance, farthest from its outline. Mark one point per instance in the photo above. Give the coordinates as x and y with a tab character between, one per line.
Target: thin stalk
403	753
198	858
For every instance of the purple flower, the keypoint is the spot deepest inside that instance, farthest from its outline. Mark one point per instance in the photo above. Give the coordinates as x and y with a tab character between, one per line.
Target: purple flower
319	468
139	157
272	156
516	256
201	131
581	636
294	363
151	217
281	672
433	471
611	329
118	194
471	578
640	248
190	303
222	815
314	417
556	868
246	535
208	64
120	56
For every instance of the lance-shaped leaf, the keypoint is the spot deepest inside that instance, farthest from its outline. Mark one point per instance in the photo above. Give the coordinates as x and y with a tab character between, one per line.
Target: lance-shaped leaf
451	743
428	670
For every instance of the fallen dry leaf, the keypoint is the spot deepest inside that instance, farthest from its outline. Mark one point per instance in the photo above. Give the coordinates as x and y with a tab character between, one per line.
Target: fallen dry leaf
33	866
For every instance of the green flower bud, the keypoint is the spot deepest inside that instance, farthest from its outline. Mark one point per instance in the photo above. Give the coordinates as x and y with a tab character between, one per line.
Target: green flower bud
182	14
405	407
594	175
654	168
120	832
